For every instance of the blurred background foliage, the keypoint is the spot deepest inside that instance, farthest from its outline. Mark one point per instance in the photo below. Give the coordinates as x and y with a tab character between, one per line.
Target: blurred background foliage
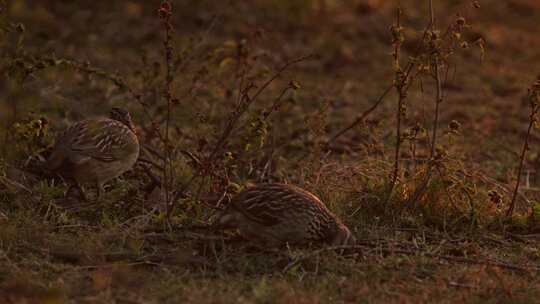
62	61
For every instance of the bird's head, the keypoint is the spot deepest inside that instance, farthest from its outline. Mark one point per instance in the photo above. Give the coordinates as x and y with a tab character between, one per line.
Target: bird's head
343	237
123	116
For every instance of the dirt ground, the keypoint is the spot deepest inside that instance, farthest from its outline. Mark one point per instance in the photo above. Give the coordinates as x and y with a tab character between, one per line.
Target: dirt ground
452	243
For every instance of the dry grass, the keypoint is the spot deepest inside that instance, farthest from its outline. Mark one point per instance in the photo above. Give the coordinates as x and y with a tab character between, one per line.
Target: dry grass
447	242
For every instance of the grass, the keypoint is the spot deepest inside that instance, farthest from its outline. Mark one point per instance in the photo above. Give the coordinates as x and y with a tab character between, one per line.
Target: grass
449	243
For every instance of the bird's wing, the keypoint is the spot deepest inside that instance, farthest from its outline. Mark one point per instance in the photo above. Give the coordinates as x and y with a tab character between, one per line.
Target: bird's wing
266	206
105	140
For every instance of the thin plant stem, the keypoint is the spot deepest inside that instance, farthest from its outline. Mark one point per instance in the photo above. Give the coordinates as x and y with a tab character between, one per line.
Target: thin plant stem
400	84
439	96
249	100
363	116
438	101
165	12
510	210
534	103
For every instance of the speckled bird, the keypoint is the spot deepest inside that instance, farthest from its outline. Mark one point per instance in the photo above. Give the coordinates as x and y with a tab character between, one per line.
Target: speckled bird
95	150
274	214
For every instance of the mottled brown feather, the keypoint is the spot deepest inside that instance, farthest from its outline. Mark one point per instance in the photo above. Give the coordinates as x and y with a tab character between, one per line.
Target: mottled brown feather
95	150
280	213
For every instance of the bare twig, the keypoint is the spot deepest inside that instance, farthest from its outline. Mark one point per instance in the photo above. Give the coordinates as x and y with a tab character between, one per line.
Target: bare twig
405	81
277	102
244	103
116	79
434	49
400	84
520	168
249	100
153	151
363	116
165	13
439	92
534	103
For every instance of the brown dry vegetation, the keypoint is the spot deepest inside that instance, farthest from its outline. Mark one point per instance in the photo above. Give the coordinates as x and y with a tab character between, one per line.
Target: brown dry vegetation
441	234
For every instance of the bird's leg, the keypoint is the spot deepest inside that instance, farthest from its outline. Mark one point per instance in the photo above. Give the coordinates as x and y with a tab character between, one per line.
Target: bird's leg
81	191
68	191
99	190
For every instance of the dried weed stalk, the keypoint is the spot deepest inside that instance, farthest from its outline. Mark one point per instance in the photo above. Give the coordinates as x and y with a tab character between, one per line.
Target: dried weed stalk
533	97
165	14
433	57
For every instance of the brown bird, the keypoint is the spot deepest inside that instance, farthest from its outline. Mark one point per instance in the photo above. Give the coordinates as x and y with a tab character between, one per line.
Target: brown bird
275	214
95	150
